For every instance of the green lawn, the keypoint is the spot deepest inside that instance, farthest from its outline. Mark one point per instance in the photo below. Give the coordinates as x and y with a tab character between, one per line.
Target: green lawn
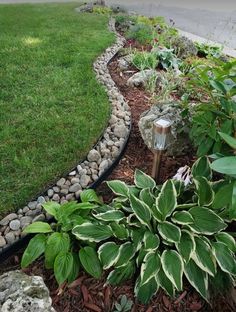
52	110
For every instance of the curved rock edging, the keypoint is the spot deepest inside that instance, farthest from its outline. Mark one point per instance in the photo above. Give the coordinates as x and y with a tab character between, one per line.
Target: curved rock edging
88	173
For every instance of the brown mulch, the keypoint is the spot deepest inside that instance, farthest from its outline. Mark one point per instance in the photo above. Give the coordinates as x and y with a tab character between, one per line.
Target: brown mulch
87	294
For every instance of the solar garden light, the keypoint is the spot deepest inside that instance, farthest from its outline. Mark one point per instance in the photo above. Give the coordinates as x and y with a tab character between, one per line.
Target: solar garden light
161	138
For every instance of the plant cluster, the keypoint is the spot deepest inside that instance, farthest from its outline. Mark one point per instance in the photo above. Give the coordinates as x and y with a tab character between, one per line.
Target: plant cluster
183	47
142	33
205	49
102	10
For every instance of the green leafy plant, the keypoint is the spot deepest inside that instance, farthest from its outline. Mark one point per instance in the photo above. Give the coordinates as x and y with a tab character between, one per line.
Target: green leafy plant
62	252
167	58
102	10
205	49
125	305
142	33
144	60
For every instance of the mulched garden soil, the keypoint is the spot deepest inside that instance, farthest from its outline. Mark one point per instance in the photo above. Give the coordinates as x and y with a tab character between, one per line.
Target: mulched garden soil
87	294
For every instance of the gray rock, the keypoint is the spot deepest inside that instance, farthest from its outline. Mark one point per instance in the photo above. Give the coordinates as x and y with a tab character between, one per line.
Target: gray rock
32	205
104	165
61	182
113	120
34	212
10	238
141	78
75	180
56	189
2	241
120	131
84	181
22	293
25	209
41	200
8	218
171	111
124	62
50	192
24	221
15	225
74	188
64	191
93	155
40	217
56	197
70	197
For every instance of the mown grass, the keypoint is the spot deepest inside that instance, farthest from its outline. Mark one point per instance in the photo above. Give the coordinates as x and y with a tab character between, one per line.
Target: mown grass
52	110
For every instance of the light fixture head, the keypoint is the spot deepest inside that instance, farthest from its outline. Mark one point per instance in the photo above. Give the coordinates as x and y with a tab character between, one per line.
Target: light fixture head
161	135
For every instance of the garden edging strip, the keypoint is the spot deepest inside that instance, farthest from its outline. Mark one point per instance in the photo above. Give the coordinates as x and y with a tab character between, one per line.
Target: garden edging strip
89	173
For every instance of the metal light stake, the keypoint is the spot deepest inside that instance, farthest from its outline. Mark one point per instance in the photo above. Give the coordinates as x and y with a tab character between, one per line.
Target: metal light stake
160	140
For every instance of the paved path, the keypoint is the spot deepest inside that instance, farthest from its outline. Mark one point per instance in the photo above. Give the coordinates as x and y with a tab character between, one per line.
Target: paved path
211	19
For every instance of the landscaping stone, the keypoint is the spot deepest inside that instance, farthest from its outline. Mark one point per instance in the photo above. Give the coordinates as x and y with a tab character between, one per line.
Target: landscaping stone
23	293
141	78
8	218
15	225
40	217
2	241
84	181
10	237
93	155
61	182
50	193
120	131
75	187
24	221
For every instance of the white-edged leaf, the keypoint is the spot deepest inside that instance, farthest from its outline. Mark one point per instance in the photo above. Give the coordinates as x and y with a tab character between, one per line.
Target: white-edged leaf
144	292
125	253
35	249
182	217
206	221
147	197
204	191
114	215
38	227
186	245
225	165
173	267
227	239
141	210
142	180
166	201
63	265
121	274
151	241
118	187
197	278
203	257
165	283
224	258
119	230
169	232
201	168
150	267
90	262
92	232
108	254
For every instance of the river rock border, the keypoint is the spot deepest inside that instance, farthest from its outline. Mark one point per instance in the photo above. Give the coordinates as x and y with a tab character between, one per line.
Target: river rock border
98	161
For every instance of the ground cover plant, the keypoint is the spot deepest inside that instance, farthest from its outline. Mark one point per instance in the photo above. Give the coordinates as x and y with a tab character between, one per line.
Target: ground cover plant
49	95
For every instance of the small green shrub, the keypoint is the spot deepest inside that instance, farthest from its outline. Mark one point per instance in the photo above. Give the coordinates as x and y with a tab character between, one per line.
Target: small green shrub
144	60
102	10
142	33
125	304
205	49
167	58
124	22
152	21
183	47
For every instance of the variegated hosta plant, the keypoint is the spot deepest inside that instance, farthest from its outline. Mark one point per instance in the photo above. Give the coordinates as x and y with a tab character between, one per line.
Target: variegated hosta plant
162	233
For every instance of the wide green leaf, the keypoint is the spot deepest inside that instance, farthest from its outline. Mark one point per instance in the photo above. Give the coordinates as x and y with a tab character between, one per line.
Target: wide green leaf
119	230
173	267
52	208
166	201
150	267
206	221
108	254
151	241
224	258
169	232
75	268
118	187
232	210
144	292
38	227
203	257
113	215
165	283
142	180
56	243
147	197
125	253
90	262
223	196
89	195
182	217
186	245
197	278
225	165
121	274
63	266
231	141
204	191
35	249
227	239
201	168
141	210
92	232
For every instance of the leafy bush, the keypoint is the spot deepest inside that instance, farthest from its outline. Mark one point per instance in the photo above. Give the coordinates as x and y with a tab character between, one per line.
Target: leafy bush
152	21
183	47
123	22
102	10
167	58
142	33
144	60
205	49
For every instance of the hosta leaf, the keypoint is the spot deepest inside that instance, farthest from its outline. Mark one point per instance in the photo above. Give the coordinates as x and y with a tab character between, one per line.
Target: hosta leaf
165	283
125	253
142	180
186	245
137	235
90	262
173	267
89	195
150	267
151	241
201	168
224	257
204	191
182	217
147	197
145	292
228	139
197	278
225	165
206	221
75	268
56	243
92	232
35	249
118	187
108	254
227	239
203	257
223	197
38	227
141	210
169	232
119	230
232	210
141	255
167	200
63	265
108	216
121	274
52	208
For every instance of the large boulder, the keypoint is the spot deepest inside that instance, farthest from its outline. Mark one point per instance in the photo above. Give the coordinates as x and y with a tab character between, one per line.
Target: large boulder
22	293
142	78
171	111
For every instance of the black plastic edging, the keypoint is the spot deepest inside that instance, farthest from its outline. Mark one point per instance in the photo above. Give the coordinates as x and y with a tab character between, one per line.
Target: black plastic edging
22	242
